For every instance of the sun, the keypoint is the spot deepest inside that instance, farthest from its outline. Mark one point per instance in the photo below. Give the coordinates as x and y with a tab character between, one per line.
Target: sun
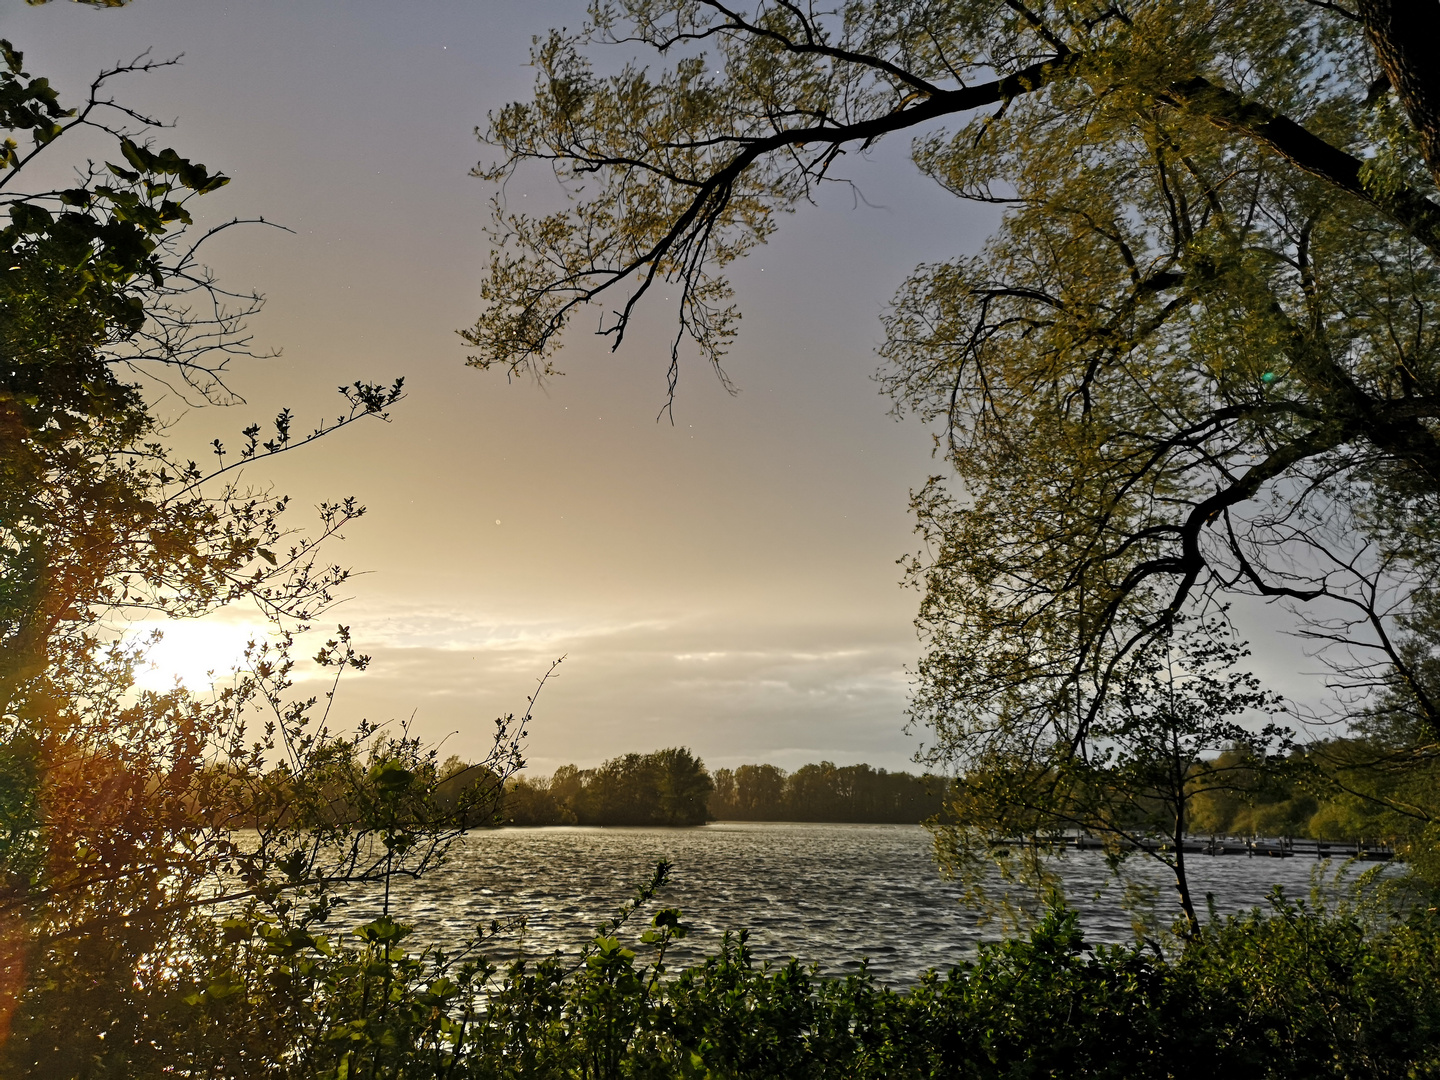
196	654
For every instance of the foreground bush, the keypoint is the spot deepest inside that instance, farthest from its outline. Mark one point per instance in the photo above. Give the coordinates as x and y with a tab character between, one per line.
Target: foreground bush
1288	993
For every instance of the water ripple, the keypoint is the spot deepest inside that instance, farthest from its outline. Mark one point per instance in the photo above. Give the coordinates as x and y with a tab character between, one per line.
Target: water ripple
832	894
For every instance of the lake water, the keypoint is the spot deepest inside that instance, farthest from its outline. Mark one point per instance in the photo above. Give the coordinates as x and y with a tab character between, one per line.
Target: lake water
832	894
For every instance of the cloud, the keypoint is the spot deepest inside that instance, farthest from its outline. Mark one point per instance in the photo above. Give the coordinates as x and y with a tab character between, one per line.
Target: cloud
734	690
466	631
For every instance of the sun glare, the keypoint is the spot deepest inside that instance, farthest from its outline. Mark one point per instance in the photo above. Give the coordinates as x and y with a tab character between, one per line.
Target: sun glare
197	654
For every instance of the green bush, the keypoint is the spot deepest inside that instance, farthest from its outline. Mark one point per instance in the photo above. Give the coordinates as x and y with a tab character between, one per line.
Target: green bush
1292	992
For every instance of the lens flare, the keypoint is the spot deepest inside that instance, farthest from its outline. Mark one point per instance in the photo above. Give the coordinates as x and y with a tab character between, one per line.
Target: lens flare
195	654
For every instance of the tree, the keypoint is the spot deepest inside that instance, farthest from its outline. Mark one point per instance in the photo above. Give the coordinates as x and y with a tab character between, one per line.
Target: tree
1172	736
750	793
128	818
826	792
1381	781
722	798
1195	360
683	787
760	792
666	787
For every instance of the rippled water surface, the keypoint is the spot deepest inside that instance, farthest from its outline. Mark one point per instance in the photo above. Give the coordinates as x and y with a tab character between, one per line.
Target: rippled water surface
832	894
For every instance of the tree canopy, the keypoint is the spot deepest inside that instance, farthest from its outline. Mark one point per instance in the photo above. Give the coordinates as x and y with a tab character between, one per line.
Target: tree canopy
664	787
127	817
824	791
1196	360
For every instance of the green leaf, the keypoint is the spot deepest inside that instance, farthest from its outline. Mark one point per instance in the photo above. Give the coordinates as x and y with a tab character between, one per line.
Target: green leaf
14	58
235	930
390	775
138	156
29	218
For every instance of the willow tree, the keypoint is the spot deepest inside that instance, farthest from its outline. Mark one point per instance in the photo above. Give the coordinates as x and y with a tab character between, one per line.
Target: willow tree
1197	359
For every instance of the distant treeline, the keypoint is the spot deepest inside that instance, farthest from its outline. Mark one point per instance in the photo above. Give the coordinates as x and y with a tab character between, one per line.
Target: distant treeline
1298	797
673	787
667	787
825	792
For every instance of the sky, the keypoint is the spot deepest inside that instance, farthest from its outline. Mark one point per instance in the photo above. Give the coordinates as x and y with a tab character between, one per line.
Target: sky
728	582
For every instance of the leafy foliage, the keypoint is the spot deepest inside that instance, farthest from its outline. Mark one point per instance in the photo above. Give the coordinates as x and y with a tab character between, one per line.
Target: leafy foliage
1174	733
1195	361
666	787
129	817
1189	363
826	792
671	787
1293	993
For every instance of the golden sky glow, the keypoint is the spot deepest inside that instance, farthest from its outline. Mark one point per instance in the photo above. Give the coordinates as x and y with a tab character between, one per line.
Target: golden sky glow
728	582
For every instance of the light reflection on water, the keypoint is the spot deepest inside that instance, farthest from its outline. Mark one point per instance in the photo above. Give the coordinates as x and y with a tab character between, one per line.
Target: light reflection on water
832	894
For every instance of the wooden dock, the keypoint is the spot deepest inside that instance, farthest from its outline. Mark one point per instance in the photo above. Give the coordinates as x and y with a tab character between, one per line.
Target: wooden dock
1282	847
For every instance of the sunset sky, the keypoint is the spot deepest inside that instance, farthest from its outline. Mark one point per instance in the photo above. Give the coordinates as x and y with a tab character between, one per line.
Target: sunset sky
727	583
